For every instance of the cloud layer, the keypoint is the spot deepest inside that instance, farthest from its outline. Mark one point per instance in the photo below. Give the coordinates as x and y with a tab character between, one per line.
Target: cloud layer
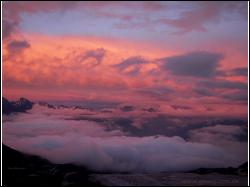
102	147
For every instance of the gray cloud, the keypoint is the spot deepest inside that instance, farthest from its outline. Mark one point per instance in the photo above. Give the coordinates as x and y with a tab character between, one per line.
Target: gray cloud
180	107
157	91
239	71
16	47
137	60
98	54
195	64
8	28
18	44
202	91
220	73
237	95
127	108
223	84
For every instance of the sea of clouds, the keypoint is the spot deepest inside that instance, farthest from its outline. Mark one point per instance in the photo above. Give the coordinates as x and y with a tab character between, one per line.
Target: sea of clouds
49	133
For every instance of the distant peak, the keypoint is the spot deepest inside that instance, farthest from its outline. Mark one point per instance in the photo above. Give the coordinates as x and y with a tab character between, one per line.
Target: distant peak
23	99
3	98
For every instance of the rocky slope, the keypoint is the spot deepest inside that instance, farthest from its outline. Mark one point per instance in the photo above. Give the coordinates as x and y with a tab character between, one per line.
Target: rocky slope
21	169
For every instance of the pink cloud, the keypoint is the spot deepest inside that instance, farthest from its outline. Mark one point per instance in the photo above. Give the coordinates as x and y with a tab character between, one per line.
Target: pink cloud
47	132
114	152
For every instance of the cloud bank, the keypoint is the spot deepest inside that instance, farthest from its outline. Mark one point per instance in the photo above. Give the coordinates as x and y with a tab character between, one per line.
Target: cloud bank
94	145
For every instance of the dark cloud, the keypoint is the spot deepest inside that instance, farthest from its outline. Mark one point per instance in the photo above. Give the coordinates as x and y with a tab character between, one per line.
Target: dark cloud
150	127
127	108
130	61
98	54
223	84
195	64
154	71
8	28
106	111
171	126
202	91
149	110
180	107
156	80
156	91
137	60
16	47
134	71
220	73
18	44
239	72
237	95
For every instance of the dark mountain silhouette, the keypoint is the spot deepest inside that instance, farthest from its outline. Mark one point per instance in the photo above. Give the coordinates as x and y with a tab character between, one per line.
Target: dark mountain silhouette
13	158
46	104
22	105
16	106
16	159
7	106
20	169
78	107
241	170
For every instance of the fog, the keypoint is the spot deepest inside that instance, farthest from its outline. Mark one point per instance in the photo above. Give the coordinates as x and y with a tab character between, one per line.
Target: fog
99	147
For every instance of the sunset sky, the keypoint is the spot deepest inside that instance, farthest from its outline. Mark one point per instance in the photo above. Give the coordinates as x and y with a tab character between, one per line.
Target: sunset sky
104	53
188	61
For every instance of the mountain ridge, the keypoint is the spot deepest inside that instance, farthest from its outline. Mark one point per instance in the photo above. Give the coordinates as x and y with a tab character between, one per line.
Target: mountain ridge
23	104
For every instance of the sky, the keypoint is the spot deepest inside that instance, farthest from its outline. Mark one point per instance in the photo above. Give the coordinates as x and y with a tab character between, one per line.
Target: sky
186	60
161	52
